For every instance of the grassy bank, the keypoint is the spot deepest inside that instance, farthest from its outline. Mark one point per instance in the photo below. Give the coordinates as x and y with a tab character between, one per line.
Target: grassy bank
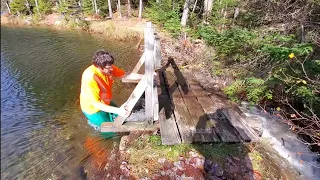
119	29
148	158
269	58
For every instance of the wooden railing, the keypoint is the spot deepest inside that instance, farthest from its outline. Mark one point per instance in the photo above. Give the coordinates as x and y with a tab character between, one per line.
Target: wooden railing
151	57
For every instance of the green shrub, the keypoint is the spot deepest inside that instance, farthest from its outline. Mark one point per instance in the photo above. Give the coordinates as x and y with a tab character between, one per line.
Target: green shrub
18	6
252	89
165	16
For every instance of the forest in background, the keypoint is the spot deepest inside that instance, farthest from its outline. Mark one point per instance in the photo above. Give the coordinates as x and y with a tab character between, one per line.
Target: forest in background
270	48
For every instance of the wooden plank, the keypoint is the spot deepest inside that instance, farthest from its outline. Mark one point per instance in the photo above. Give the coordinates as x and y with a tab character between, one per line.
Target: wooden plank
155	104
186	128
128	127
223	129
157	53
139	64
204	127
149	68
133	99
192	122
132	78
168	129
244	131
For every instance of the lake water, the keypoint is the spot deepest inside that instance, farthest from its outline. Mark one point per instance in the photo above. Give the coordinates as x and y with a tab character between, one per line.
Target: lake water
44	135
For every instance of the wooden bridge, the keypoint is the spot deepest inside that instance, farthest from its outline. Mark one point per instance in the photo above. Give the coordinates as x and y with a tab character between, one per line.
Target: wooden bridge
177	103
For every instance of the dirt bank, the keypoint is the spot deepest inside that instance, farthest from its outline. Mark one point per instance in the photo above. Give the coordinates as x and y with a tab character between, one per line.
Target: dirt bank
141	156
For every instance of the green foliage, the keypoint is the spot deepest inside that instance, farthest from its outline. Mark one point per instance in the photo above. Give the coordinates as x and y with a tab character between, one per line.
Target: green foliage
252	89
165	16
18	6
76	23
221	12
237	43
45	6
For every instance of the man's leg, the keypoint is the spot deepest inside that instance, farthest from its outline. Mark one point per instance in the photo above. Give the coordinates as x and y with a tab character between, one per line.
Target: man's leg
95	120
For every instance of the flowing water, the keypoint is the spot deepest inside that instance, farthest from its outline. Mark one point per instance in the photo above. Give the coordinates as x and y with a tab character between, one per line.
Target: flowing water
44	135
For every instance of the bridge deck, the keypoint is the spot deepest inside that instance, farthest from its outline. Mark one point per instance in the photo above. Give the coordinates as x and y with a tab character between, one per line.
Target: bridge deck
189	113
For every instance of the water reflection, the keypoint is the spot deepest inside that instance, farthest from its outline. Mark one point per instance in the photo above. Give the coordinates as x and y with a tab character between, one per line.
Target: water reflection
43	132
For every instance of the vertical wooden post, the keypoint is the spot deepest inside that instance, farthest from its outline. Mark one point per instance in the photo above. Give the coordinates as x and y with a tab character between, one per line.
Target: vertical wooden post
157	65
157	53
149	68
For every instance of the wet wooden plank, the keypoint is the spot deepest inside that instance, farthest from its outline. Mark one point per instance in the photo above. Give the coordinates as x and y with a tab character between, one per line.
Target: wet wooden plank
227	125
225	108
128	127
181	113
193	123
246	133
223	129
168	129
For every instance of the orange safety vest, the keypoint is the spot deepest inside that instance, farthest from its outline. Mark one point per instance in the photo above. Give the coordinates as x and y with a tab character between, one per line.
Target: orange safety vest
96	87
105	89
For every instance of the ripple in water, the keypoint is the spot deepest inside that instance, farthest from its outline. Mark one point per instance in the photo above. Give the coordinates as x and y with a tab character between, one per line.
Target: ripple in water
43	132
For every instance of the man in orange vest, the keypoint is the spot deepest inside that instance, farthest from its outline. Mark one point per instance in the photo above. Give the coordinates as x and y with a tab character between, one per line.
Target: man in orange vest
96	90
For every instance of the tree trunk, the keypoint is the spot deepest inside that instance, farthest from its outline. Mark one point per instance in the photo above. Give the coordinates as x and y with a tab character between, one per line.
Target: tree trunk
9	10
185	13
28	7
129	8
140	9
194	6
119	8
172	4
92	1
95	6
110	9
36	1
207	8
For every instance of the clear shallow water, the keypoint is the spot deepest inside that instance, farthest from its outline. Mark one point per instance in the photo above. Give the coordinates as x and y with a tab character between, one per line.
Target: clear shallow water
43	132
286	143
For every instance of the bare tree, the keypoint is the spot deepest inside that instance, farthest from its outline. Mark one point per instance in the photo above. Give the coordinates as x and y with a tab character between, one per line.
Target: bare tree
194	6
110	9
207	9
28	7
36	1
185	13
119	8
95	8
129	8
7	4
140	9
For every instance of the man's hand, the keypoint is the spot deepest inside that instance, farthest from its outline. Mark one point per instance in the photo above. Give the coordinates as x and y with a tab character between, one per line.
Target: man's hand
134	76
123	111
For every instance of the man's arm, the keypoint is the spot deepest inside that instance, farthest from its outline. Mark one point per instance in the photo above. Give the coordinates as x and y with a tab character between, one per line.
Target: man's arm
107	108
90	89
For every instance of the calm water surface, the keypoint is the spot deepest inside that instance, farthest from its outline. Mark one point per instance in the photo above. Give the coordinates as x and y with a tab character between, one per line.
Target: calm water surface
43	132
